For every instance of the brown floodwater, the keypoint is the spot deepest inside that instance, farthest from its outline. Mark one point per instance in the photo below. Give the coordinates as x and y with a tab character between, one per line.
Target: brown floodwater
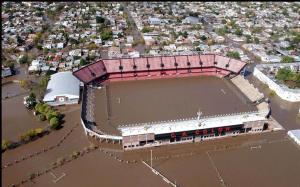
11	90
286	113
275	163
167	99
16	119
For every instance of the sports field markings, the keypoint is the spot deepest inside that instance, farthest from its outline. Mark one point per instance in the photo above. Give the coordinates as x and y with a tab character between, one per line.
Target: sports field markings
223	91
216	169
55	178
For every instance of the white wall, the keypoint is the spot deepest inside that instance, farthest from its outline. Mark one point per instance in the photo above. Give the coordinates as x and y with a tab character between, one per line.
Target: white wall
285	94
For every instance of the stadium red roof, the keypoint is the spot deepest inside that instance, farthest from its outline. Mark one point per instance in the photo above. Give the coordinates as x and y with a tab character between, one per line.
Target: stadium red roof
124	65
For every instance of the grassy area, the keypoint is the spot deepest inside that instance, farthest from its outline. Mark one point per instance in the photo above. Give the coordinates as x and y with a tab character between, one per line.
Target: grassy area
288	77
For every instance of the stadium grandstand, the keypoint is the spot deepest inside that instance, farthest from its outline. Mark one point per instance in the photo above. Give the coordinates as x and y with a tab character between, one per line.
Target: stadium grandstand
158	67
148	134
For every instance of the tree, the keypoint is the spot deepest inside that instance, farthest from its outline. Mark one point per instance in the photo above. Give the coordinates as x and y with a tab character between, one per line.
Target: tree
233	54
54	123
248	38
185	34
256	40
239	32
40	88
51	114
106	35
42	117
146	29
31	101
120	35
39	47
23	59
287	59
6	144
82	62
38	107
20	41
53	50
203	37
99	19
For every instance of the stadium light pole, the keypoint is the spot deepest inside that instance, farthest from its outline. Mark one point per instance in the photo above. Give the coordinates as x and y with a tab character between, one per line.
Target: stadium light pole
151	157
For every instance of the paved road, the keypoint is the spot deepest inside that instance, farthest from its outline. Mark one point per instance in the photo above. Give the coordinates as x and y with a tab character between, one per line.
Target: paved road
135	32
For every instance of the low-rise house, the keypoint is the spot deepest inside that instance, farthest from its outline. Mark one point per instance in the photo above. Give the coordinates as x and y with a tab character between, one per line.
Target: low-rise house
60	45
6	71
191	20
154	21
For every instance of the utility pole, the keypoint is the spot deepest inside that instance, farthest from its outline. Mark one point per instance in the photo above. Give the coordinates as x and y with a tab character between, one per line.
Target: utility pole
151	158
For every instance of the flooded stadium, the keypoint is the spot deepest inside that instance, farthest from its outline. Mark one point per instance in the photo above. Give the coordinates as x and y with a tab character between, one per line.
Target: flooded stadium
229	161
121	103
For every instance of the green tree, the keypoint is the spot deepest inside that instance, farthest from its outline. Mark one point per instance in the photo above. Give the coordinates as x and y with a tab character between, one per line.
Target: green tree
51	114
239	32
106	35
256	40
54	123
287	59
82	62
248	38
41	117
31	101
6	144
146	29
233	54
38	107
20	41
203	37
185	34
24	59
99	19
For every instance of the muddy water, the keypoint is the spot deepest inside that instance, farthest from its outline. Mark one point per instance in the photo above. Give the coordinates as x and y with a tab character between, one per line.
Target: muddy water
275	164
283	111
166	99
16	119
11	90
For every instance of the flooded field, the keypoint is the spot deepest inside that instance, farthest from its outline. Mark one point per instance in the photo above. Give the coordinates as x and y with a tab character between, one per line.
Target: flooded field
16	119
76	141
268	159
265	166
166	99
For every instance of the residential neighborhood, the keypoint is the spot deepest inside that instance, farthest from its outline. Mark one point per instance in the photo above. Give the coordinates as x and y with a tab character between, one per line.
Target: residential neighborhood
150	93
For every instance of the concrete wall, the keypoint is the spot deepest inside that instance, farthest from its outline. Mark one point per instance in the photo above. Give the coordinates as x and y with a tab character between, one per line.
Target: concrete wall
286	94
68	102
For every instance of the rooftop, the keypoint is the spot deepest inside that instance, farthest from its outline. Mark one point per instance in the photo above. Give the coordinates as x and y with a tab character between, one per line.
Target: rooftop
62	83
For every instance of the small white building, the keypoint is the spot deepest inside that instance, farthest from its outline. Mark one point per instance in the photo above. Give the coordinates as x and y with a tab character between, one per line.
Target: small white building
154	21
63	88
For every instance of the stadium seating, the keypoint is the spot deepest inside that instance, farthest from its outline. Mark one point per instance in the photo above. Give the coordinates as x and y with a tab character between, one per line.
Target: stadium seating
123	68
